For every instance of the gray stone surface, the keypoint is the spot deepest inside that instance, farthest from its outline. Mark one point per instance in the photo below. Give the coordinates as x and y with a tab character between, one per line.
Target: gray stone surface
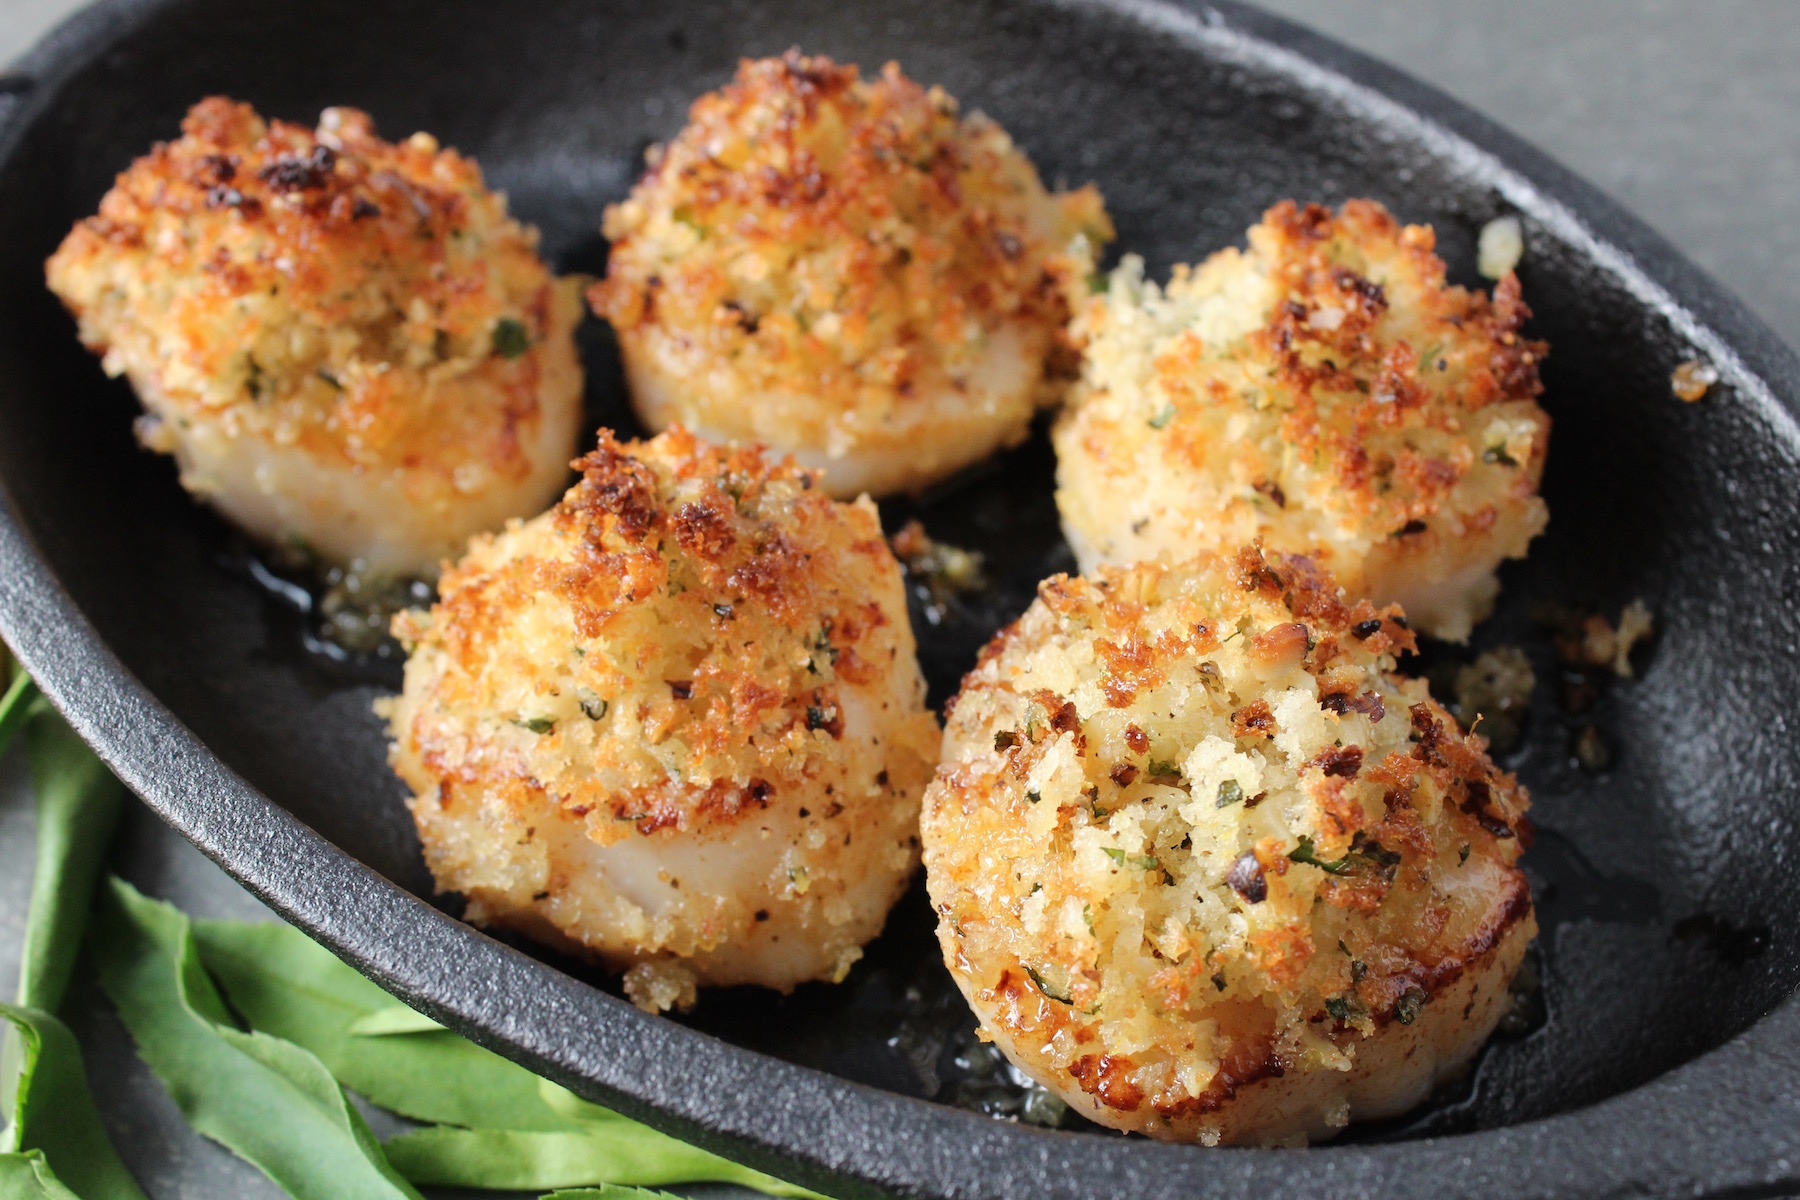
1689	113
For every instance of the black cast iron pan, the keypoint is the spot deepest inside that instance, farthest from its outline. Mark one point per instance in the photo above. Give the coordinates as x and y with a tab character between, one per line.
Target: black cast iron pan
1666	1059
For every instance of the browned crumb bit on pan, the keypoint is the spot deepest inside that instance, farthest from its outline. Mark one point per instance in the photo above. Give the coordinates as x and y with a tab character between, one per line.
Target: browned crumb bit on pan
1691	379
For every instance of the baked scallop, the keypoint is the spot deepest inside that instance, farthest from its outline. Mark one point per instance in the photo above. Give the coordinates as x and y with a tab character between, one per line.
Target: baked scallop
848	271
1205	867
1324	391
675	723
347	344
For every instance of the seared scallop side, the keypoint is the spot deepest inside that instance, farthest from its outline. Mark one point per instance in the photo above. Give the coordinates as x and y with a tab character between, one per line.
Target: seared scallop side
347	344
1205	867
1324	391
849	271
676	723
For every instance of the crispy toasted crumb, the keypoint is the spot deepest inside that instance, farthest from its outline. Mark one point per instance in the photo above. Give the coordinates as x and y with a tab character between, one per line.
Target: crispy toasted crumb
676	722
347	344
1323	391
1207	868
846	270
1691	379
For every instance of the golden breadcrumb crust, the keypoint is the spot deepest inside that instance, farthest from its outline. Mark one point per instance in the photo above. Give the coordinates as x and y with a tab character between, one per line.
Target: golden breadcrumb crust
678	715
1324	391
1206	867
320	294
846	269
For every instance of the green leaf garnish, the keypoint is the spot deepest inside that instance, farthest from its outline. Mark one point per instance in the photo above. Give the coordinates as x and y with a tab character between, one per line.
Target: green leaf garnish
1230	792
608	1191
1303	853
55	1140
20	703
510	338
28	1176
288	986
267	1100
622	1150
275	1095
78	805
537	724
1145	861
54	1116
1064	996
1161	420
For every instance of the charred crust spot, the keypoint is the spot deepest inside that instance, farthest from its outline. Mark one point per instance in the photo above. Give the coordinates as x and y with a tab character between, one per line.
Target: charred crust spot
1477	801
1256	574
1246	878
824	714
1107	1078
681	689
1342	762
223	196
1282	646
300	172
1124	774
1253	720
1137	740
748	321
703	531
613	484
1427	735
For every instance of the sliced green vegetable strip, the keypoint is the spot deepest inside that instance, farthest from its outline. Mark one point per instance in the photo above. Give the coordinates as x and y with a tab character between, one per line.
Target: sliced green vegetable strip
78	804
17	706
267	1100
621	1152
28	1177
287	985
608	1191
54	1112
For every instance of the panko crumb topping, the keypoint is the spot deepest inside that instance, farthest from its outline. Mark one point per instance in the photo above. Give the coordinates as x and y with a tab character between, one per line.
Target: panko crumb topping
1325	391
1207	867
696	657
366	304
831	265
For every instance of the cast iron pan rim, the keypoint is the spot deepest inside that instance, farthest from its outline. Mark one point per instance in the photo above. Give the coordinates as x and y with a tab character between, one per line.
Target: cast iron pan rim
1723	1124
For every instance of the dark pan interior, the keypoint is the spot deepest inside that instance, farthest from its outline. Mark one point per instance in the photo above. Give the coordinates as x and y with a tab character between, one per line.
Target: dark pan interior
1664	882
